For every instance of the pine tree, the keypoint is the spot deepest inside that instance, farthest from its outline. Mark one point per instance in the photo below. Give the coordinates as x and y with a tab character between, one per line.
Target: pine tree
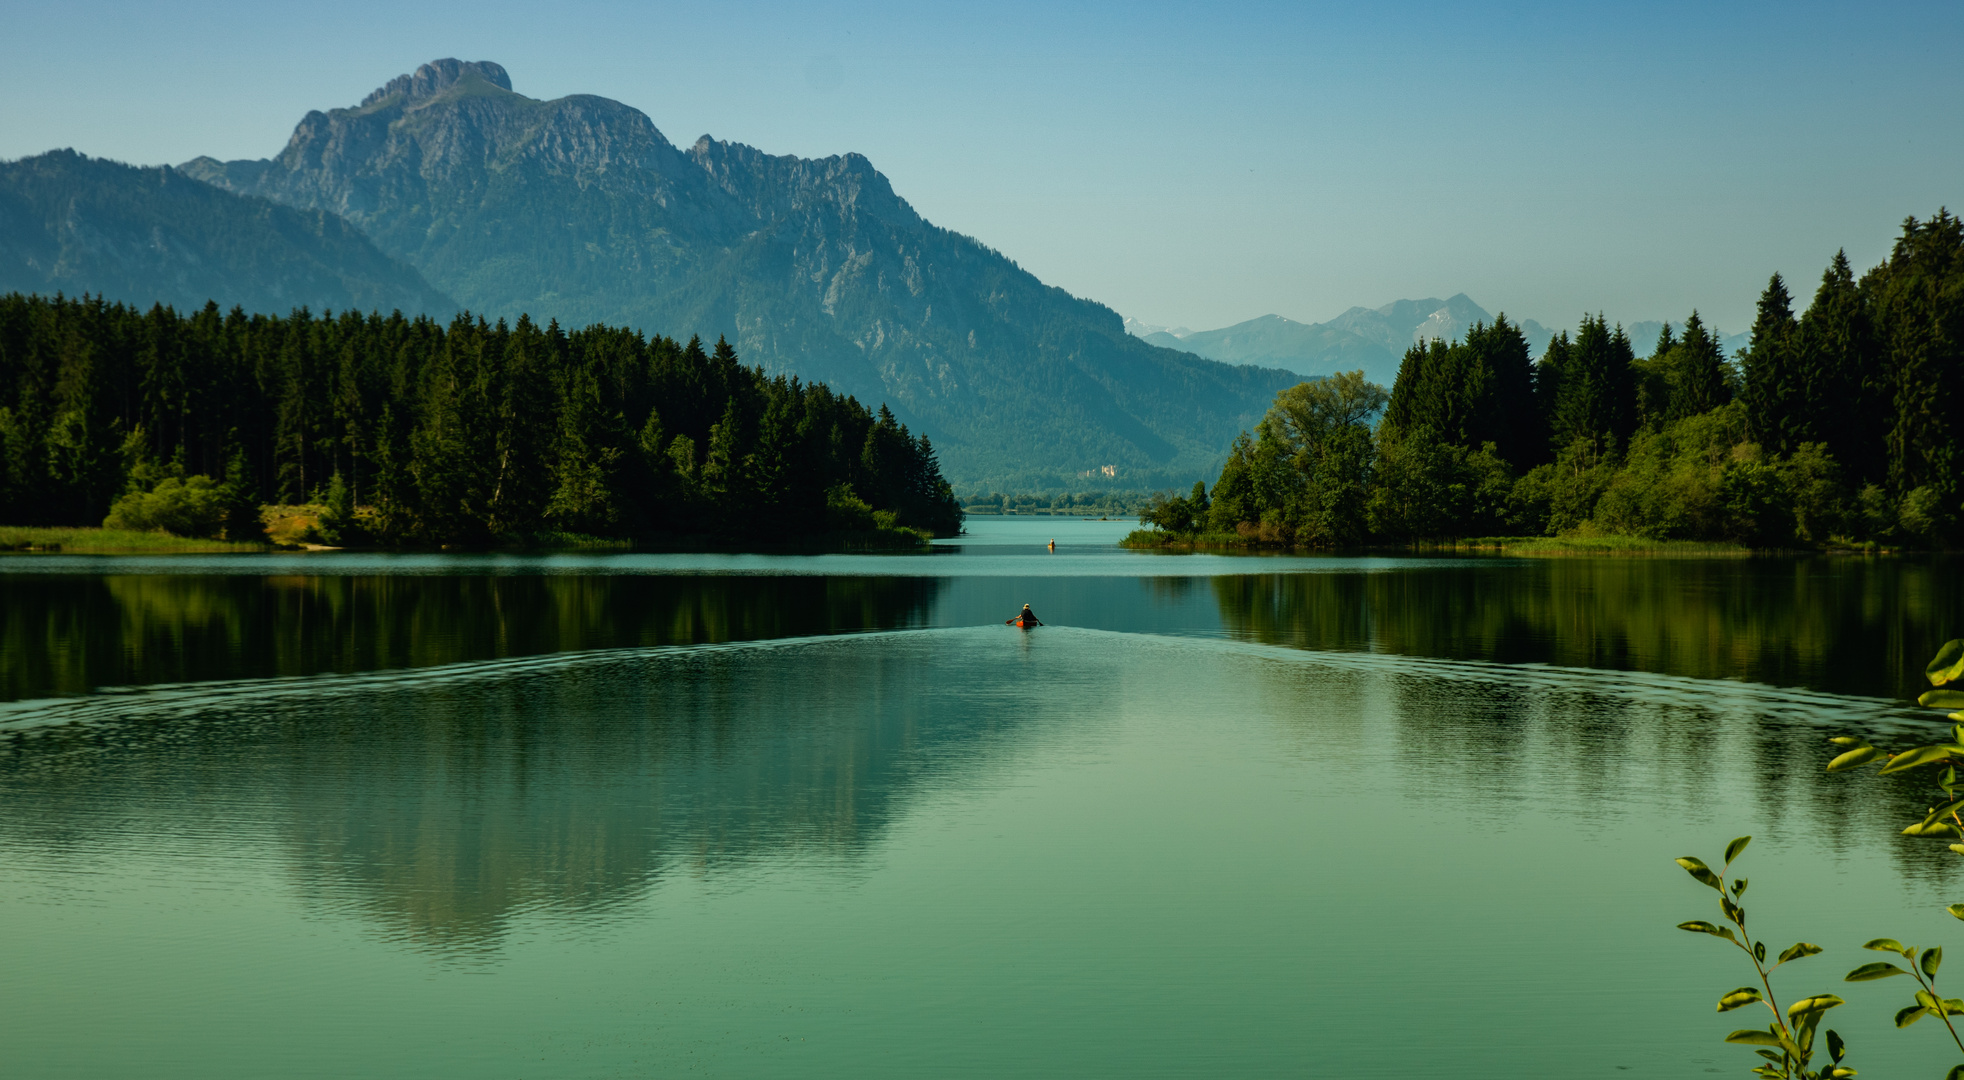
1594	397
1850	390
1697	371
1919	315
1776	399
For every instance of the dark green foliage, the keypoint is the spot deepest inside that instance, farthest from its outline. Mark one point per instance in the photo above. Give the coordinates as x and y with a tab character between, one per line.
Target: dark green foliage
1777	404
1919	317
422	433
1595	384
1692	370
1844	373
1471	393
1181	515
1842	430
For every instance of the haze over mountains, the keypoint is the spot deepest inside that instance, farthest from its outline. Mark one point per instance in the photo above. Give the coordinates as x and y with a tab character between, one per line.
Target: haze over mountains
580	210
1371	339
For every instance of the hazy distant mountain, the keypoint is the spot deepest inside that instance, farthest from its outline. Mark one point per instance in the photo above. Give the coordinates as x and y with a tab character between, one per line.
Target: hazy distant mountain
1371	339
74	224
1643	335
1141	330
579	209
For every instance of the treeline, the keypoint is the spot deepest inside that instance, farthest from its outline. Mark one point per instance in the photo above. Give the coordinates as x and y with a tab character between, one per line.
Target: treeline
1839	425
1102	503
407	431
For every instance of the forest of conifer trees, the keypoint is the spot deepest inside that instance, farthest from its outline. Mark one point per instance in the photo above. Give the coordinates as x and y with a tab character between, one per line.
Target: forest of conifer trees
406	431
1838	426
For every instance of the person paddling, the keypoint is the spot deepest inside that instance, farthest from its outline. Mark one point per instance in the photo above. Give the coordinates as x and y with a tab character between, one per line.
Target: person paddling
1025	618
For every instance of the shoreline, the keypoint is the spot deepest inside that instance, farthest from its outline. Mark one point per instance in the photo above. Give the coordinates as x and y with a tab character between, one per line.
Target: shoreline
81	540
1514	546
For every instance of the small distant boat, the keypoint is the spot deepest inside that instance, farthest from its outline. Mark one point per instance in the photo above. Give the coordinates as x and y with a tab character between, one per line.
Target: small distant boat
1024	619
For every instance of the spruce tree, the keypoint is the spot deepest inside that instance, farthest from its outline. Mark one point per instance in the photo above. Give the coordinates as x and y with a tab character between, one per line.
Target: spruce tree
1919	316
1850	392
1697	372
1776	399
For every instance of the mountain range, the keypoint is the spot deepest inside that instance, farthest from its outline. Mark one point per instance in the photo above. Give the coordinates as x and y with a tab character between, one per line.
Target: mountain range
1371	339
70	223
578	209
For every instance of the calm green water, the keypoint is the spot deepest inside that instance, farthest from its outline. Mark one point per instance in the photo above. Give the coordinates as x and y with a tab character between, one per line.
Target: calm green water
746	816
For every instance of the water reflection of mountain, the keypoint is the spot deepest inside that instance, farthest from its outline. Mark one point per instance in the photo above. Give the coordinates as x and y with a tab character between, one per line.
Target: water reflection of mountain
439	807
68	634
1861	626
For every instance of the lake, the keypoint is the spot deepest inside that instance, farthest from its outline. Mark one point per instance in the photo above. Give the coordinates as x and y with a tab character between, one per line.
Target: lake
344	814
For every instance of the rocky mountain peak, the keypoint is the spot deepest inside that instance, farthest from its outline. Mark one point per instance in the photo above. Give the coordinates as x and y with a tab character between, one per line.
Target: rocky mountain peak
437	76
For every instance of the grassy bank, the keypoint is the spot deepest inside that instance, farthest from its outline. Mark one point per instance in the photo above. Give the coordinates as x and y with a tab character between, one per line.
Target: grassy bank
118	541
1153	539
1591	545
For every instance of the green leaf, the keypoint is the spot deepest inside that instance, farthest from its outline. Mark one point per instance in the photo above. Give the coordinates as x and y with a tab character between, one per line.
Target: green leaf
1759	951
1933	829
1698	926
1847	740
1836	1048
1933	959
1838	1072
1939	812
1958	848
1942	699
1753	1037
1948	665
1697	868
1910	1016
1733	849
1922	755
1954	1006
1884	944
1814	1004
1956	1073
1799	950
1881	969
1929	1001
1956	911
1739	998
1770	1055
1861	755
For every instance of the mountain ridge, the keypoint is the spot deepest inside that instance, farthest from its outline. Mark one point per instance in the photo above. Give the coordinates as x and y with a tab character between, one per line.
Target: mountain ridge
580	209
1371	339
75	224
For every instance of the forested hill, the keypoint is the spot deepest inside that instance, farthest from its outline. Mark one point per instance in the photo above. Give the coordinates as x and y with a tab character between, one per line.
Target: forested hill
580	210
74	224
417	432
1838	426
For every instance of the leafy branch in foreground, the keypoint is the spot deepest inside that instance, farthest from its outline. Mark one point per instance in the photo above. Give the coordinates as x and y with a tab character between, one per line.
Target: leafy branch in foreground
1788	1042
1940	822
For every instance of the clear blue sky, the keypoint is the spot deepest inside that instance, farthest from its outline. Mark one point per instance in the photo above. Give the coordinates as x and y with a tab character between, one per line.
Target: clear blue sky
1193	164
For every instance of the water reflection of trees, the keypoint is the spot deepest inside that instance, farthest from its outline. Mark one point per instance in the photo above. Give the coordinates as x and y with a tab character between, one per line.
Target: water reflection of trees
440	808
70	634
1844	625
